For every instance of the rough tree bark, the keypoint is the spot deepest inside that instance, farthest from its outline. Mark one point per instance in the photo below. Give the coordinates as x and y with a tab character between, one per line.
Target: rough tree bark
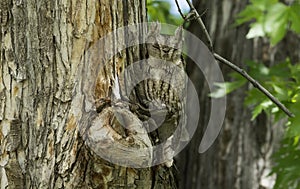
241	156
42	45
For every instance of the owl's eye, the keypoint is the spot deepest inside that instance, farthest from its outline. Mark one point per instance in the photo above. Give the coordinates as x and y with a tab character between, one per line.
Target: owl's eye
156	45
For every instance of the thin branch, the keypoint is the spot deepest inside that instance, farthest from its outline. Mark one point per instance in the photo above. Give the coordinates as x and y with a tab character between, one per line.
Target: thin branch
254	83
179	9
200	22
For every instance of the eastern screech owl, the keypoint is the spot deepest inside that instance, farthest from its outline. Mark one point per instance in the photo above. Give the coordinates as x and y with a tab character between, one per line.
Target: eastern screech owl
161	97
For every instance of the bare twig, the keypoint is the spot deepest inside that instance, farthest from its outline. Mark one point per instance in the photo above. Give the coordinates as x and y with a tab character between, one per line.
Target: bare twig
179	9
233	66
254	83
200	22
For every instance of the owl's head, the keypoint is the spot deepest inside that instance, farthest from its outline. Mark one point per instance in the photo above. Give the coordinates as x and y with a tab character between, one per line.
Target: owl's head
163	46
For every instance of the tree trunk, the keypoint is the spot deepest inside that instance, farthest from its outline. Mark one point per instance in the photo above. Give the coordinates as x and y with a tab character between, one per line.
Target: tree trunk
42	137
241	155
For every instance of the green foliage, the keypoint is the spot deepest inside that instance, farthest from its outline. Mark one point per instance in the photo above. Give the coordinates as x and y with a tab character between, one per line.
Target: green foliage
228	87
282	80
287	164
271	18
159	10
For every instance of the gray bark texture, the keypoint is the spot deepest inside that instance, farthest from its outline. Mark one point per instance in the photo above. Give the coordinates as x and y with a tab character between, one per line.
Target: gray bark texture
241	156
42	45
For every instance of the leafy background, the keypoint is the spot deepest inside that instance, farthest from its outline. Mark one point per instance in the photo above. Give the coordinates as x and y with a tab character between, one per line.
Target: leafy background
273	19
167	12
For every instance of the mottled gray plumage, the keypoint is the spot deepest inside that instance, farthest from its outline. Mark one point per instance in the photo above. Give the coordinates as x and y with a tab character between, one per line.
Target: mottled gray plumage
162	96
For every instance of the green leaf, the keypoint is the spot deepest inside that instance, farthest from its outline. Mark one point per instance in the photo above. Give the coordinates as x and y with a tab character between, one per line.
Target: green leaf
294	122
295	17
256	30
256	111
276	22
249	13
295	72
226	87
259	70
260	107
253	97
281	93
263	4
281	70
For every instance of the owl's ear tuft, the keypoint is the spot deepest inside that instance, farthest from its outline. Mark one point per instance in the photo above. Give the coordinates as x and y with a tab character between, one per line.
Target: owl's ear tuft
179	33
179	36
154	28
